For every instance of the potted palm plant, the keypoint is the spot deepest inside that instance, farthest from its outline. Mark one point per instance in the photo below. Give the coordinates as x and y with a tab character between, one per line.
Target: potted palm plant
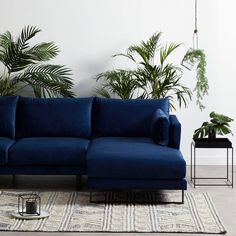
24	66
150	78
218	125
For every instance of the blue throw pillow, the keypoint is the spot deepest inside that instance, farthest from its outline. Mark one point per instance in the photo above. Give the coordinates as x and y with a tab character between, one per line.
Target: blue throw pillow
8	116
160	128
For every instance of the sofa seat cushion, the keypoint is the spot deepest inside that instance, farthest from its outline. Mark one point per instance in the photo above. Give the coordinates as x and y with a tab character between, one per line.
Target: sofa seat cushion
48	152
133	158
5	144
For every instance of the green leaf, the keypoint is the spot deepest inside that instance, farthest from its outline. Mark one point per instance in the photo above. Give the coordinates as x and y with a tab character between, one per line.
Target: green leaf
52	79
103	92
27	33
146	50
118	82
166	51
43	52
5	41
218	118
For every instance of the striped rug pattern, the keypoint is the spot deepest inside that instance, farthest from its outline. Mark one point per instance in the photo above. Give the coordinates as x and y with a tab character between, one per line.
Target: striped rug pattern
72	212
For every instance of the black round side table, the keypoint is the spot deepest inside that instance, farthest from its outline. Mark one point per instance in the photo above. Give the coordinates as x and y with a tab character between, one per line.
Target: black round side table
222	143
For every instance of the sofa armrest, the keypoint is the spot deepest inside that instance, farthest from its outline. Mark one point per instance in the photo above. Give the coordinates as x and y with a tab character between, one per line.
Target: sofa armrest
175	132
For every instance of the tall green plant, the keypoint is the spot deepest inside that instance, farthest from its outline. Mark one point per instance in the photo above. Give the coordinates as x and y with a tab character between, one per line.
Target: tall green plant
24	66
150	79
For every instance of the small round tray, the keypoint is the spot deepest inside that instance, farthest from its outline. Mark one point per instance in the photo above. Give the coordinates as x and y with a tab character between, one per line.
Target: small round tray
43	214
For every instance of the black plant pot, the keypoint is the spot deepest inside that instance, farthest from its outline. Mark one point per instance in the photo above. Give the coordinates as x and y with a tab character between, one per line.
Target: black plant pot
212	135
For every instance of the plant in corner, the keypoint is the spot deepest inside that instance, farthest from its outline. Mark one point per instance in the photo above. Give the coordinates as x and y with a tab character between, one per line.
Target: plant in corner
198	56
150	78
24	67
219	124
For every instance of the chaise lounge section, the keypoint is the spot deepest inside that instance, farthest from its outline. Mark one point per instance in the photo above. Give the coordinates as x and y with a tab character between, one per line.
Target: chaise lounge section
127	153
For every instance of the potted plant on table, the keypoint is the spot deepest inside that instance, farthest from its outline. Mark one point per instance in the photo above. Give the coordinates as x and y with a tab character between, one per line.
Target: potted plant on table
218	125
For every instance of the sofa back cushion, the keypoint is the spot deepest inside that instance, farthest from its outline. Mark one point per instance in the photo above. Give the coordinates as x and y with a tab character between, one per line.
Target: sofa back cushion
8	116
54	117
126	118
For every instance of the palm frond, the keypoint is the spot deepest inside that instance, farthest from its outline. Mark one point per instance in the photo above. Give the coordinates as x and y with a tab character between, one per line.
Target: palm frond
103	92
6	45
27	33
5	40
11	53
127	55
43	51
53	80
119	82
146	50
166	51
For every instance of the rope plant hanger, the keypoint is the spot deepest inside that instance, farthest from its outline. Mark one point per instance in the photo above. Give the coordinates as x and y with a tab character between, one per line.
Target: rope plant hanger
195	56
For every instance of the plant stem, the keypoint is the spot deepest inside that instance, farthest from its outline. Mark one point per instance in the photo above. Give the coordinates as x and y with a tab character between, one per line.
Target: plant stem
22	87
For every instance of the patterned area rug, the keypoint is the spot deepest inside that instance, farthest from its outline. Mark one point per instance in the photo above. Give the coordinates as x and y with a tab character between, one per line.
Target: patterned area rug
72	212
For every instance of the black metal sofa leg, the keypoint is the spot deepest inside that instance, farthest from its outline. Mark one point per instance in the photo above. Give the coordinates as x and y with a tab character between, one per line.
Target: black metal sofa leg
182	202
78	182
13	181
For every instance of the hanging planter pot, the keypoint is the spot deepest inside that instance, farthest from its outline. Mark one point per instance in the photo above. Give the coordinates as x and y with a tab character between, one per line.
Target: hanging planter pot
188	64
195	56
190	58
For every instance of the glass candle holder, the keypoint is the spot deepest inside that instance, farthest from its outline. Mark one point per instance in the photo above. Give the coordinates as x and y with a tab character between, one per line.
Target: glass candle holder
29	204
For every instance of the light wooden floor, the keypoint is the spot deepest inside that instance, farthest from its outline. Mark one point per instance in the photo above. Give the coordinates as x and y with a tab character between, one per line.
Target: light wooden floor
223	197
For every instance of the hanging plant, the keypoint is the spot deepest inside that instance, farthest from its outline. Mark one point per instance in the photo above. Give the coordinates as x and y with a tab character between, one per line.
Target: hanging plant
198	56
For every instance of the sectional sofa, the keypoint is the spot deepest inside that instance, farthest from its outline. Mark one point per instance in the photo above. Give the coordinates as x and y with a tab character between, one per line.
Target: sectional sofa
121	145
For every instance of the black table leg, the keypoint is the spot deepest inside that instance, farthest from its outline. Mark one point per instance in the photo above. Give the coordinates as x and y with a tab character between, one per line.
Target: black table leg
191	163
194	167
227	164
232	167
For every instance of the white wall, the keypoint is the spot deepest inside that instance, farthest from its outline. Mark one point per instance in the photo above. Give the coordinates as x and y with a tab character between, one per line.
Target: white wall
88	32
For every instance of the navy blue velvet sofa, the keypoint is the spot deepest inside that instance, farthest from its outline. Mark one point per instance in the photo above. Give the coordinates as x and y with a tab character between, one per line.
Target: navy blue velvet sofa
118	144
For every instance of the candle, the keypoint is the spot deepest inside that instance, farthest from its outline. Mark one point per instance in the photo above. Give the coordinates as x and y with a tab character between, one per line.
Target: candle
31	207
